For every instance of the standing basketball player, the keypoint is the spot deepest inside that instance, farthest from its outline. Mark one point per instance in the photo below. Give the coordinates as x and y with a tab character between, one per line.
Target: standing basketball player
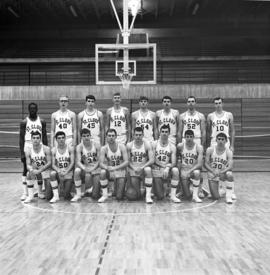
221	121
30	124
91	119
146	119
141	158
64	120
219	163
168	116
164	165
113	163
193	120
191	156
38	159
62	164
87	160
117	118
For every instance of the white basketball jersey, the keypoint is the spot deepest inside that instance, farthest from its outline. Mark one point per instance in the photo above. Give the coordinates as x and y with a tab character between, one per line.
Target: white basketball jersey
138	155
220	124
89	157
38	159
63	122
219	161
168	118
146	122
91	122
32	126
118	121
114	158
62	160
162	154
189	157
192	122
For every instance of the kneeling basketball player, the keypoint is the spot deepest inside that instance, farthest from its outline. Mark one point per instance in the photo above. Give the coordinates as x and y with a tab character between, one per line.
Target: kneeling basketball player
141	158
113	163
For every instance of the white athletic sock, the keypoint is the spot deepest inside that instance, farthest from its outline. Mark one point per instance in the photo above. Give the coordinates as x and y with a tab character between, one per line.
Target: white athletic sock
229	191
78	186
54	185
195	196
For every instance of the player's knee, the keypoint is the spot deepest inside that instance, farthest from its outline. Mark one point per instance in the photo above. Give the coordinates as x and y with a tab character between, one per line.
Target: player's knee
175	173
229	175
148	172
103	174
53	175
77	173
197	174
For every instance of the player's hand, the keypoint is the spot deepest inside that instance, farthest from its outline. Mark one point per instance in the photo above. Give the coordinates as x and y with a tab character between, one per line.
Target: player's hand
138	170
111	168
88	169
232	148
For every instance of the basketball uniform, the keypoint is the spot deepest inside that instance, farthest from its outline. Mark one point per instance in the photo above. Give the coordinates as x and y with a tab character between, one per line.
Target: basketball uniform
162	157
138	158
63	122
192	122
89	158
119	123
115	159
38	159
31	126
146	122
63	161
91	122
189	158
220	124
171	121
218	161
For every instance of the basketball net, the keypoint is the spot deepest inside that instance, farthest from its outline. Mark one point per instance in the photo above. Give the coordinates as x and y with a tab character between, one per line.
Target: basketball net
125	79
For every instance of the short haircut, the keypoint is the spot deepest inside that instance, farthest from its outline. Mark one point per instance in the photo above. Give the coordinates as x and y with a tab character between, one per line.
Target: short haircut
85	131
189	133
111	131
90	97
60	133
165	126
138	129
32	104
116	94
143	98
166	97
192	97
218	98
222	135
64	96
36	133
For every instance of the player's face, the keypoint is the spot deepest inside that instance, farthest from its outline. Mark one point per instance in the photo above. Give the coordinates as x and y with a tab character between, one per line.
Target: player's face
61	140
117	99
166	103
35	140
138	136
189	138
111	137
63	102
164	134
191	103
86	137
143	103
32	111
218	104
90	102
221	141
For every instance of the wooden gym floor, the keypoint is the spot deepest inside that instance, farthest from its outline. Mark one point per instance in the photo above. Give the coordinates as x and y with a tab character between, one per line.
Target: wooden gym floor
135	238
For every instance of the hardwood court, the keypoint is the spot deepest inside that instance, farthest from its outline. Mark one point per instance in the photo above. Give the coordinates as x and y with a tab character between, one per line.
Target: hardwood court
135	238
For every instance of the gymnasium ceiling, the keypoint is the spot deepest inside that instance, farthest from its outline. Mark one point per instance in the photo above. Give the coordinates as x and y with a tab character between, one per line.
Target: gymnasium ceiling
154	13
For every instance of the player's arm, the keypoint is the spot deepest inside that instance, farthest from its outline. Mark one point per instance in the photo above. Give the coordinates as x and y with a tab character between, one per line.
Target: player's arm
207	160
101	125
79	157
52	129
203	130
129	155
208	130
79	126
103	158
232	131
127	116
178	134
29	166
133	121
44	132
230	162
179	149
150	155
173	157
125	158
157	123
48	158
21	141
180	128
74	129
155	129
54	166
72	160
